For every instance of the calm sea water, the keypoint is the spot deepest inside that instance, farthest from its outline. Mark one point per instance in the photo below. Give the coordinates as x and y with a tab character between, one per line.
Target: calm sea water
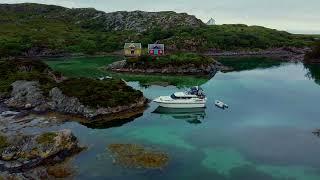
265	134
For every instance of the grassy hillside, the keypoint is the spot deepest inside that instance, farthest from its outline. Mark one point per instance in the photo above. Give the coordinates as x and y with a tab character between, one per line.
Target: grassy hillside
33	29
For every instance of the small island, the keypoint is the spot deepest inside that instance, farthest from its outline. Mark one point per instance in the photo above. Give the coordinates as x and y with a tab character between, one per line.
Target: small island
174	64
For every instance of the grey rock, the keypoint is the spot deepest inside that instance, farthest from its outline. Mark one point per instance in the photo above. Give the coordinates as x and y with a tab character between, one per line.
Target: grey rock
64	104
117	65
9	113
25	94
36	152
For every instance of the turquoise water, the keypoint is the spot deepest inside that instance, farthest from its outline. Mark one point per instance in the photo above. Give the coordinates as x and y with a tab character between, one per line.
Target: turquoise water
265	134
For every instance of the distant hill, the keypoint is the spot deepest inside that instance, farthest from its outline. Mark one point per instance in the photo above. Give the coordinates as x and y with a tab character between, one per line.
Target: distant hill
47	30
211	22
90	18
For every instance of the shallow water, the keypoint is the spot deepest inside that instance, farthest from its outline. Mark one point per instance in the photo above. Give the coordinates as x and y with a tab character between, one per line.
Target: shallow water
265	134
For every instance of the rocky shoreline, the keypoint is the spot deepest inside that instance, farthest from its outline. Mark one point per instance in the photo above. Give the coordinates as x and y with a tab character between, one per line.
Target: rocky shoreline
26	95
29	151
290	54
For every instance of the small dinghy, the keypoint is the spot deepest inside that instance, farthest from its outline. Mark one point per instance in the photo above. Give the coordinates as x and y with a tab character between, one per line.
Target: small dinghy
221	104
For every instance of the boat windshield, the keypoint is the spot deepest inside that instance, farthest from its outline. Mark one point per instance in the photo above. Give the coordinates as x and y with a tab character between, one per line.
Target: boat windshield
175	97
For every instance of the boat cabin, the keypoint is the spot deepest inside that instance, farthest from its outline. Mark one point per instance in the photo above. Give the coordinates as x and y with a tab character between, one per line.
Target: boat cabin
182	95
132	49
156	49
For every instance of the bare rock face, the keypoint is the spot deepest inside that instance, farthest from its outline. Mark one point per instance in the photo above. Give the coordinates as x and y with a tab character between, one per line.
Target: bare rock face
25	94
22	153
117	65
61	103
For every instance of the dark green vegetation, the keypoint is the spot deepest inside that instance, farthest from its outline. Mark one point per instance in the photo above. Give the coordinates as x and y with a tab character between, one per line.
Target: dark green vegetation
314	55
176	60
13	70
34	29
242	64
234	37
94	68
94	93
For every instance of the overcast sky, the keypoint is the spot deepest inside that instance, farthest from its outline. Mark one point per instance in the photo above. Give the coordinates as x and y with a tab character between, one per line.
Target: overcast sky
297	16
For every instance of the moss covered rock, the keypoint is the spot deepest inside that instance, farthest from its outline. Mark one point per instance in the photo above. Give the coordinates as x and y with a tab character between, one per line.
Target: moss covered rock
46	138
27	152
3	142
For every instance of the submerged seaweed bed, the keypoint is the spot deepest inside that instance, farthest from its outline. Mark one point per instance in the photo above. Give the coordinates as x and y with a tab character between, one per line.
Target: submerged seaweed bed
137	156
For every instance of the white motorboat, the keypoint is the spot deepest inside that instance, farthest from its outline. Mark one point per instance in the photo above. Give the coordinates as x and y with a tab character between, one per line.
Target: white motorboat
221	104
194	98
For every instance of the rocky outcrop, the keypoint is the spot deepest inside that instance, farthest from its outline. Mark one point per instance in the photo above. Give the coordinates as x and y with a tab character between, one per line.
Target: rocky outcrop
291	54
24	152
61	103
25	94
71	105
28	95
190	69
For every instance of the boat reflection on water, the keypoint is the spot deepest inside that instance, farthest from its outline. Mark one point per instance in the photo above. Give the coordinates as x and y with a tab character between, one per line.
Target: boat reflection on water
190	115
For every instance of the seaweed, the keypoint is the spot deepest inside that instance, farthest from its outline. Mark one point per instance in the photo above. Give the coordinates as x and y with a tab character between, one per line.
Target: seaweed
136	156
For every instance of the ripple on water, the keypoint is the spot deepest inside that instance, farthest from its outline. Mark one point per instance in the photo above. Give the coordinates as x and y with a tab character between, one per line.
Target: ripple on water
232	163
223	160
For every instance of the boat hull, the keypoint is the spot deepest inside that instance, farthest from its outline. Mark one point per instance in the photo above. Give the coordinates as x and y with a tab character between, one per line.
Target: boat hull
182	105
